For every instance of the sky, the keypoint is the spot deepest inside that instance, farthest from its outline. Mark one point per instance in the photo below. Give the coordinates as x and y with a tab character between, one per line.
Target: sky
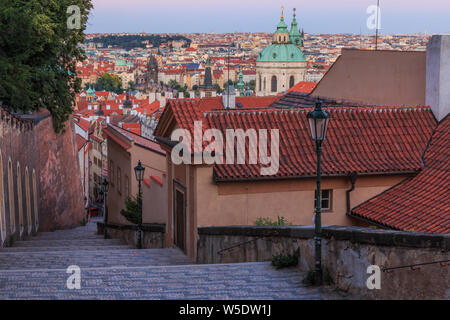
220	16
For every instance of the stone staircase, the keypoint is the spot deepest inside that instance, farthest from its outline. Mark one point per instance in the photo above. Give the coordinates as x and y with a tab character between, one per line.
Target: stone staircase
36	269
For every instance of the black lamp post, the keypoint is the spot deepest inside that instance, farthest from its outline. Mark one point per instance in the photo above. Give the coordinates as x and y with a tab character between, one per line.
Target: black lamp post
318	123
139	171
105	204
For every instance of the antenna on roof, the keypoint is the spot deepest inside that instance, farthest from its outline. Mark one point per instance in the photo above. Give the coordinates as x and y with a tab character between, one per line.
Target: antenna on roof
376	32
228	81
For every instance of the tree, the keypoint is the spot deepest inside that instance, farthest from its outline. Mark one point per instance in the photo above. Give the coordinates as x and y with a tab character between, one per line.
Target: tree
131	85
132	211
38	55
109	82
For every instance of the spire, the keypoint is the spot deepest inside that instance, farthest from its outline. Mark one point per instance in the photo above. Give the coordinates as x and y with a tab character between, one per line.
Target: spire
282	27
294	34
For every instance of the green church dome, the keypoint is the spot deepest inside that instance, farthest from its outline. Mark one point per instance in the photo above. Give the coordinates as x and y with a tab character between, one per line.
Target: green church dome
281	53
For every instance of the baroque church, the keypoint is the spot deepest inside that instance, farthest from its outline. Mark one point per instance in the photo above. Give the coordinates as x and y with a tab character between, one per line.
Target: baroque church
282	64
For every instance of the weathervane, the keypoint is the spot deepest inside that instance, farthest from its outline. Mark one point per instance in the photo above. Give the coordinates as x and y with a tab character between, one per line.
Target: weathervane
282	12
294	12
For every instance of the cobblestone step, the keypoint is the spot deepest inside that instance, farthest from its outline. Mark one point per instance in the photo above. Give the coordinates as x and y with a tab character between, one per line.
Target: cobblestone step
67	236
223	281
86	248
91	259
67	243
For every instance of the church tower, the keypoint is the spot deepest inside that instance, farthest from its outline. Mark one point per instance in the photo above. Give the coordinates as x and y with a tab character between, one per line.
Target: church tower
207	87
152	70
295	35
282	64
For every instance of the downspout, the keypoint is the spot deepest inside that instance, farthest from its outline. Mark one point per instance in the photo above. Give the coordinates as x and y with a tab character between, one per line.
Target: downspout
353	178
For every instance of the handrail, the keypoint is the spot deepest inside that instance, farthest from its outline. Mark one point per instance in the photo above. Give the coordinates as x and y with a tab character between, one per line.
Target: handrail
264	237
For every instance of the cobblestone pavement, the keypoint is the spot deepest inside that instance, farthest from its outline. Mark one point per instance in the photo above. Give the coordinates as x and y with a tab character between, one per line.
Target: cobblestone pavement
36	269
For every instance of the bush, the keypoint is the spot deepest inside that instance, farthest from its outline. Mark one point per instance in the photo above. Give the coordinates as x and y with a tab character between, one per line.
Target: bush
285	261
132	211
281	221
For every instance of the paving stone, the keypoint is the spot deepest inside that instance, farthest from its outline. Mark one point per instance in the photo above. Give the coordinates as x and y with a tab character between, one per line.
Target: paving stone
36	269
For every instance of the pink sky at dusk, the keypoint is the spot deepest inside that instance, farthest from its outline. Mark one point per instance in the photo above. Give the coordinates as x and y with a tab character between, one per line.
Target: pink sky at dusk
318	16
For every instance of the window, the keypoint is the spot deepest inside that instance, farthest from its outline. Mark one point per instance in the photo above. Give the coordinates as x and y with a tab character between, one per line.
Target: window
274	84
127	186
119	180
291	81
326	200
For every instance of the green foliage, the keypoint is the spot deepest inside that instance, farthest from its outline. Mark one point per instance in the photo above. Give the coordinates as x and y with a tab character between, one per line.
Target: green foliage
109	82
309	279
133	209
285	261
131	85
281	221
129	42
38	56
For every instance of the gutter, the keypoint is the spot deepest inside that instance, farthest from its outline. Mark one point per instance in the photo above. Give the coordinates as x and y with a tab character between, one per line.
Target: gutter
353	178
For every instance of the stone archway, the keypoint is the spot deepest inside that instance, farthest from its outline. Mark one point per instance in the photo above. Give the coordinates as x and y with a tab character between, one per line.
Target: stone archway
20	199
2	203
28	197
35	202
12	211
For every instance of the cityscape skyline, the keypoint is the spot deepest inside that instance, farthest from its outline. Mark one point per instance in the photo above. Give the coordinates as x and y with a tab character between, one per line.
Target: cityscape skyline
200	16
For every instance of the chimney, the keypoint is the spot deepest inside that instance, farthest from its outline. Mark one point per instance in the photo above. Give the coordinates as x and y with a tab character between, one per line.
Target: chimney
151	97
180	95
438	75
191	94
158	96
162	102
202	94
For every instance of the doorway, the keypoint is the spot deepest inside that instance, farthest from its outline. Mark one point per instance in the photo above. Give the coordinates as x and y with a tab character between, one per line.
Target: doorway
179	205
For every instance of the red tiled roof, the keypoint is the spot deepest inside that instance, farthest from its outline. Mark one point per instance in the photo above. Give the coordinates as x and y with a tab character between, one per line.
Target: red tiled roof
419	203
80	142
365	140
304	87
139	140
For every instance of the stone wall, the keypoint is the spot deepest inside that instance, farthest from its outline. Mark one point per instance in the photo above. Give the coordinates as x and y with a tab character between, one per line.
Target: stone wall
346	254
30	144
152	234
61	201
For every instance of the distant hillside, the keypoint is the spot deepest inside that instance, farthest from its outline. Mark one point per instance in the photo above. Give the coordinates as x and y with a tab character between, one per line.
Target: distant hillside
136	41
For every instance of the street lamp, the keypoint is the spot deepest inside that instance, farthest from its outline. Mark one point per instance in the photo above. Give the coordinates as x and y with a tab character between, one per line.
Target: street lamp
318	123
139	171
105	204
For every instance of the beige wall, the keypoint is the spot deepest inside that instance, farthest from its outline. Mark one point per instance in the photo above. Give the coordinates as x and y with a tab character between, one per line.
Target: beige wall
154	202
154	164
242	203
